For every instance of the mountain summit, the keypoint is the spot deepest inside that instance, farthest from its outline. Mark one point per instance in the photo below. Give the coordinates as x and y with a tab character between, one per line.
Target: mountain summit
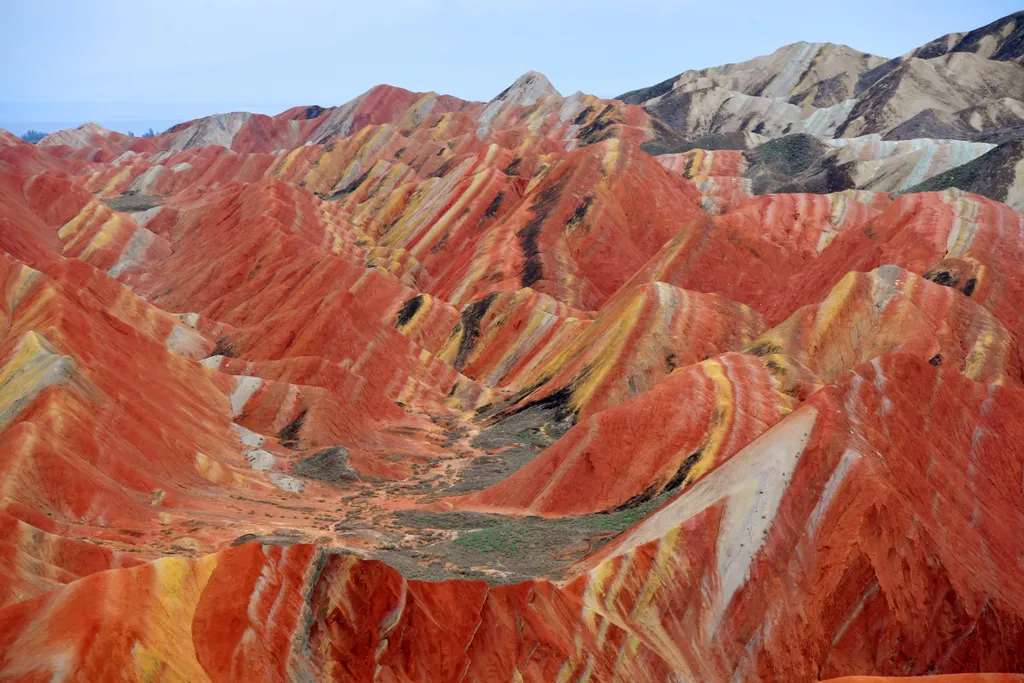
528	89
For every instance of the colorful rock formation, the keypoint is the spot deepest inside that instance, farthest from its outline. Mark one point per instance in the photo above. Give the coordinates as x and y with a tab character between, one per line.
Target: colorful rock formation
535	389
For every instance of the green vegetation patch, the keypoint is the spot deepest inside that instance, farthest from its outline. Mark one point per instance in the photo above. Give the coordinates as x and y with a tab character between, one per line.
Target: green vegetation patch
989	175
789	155
711	142
540	534
133	203
518	548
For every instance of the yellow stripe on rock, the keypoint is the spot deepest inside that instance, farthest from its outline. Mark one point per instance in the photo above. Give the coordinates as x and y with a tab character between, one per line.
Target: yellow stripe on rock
123	175
34	365
427	243
167	651
721	418
71	228
611	156
980	355
829	310
665	562
603	364
286	164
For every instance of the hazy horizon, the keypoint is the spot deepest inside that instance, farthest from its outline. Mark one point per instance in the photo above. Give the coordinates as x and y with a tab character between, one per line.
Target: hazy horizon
130	67
120	116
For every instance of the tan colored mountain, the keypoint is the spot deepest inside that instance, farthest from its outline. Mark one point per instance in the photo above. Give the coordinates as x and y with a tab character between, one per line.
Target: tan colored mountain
961	85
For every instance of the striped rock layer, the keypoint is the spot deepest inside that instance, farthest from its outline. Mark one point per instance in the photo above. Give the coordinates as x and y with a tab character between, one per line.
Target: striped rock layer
821	523
250	365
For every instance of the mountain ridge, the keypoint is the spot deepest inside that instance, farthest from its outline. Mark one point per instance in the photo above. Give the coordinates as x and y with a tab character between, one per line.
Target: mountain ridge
533	389
991	52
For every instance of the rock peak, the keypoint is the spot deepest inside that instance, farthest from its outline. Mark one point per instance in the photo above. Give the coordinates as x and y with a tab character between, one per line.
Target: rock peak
529	88
75	137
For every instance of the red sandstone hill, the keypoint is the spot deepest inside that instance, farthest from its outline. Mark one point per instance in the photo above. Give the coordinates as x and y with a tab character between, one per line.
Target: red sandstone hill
420	389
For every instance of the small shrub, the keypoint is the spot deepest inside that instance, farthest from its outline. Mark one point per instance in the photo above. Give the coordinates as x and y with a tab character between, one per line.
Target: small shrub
33	136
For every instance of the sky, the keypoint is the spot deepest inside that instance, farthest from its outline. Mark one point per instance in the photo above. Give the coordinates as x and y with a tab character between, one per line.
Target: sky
153	63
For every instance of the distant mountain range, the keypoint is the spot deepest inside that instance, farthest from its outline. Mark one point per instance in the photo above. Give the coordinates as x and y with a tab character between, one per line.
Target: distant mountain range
966	87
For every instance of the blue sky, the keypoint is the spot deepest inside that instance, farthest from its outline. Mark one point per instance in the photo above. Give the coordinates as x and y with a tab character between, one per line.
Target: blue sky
132	65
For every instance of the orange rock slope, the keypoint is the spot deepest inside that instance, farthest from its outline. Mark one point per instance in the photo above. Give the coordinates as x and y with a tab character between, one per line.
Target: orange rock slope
419	389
